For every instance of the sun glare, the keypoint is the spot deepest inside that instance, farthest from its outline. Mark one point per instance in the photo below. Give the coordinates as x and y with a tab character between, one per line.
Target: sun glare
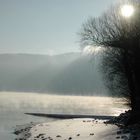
127	10
91	49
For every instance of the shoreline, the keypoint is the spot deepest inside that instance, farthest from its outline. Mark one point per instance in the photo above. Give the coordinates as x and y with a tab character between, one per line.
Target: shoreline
68	129
79	129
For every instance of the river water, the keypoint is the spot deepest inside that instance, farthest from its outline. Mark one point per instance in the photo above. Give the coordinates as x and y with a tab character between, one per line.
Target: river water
13	106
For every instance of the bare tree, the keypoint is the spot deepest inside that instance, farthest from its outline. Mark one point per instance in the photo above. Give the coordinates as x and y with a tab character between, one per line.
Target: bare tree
121	38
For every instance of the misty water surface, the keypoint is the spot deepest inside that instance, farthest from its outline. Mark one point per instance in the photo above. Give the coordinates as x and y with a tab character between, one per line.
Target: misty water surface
14	105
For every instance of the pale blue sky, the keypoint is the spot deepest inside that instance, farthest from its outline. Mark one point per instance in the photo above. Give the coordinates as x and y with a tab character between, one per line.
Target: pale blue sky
45	26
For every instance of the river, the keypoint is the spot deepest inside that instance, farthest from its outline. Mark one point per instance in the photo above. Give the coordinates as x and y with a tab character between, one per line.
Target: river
13	105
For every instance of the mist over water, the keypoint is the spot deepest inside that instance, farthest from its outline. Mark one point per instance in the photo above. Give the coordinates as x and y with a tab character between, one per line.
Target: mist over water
72	73
34	102
14	105
63	84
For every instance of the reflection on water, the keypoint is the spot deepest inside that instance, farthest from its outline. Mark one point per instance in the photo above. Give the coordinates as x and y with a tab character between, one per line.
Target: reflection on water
14	105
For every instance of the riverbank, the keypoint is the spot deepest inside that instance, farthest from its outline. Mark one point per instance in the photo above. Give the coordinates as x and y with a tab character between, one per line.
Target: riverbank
122	120
80	129
77	129
14	105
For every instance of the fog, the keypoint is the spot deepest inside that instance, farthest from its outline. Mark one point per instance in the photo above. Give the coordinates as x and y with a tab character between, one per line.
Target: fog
62	79
34	102
71	73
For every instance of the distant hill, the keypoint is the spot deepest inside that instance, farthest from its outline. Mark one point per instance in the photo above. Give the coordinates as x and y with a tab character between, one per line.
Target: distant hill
71	73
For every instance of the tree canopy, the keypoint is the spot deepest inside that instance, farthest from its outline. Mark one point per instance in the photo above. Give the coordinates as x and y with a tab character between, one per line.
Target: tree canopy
121	37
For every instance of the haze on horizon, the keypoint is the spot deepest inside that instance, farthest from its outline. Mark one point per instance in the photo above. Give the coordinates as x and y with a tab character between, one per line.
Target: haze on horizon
45	26
66	74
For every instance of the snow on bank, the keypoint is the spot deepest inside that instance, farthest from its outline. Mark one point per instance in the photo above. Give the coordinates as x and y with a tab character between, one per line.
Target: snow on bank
71	129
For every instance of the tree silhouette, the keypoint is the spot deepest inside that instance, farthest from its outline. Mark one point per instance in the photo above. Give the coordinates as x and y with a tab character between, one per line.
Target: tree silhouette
120	37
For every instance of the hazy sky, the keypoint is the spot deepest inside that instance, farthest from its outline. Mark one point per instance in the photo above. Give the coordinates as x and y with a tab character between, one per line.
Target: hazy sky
45	26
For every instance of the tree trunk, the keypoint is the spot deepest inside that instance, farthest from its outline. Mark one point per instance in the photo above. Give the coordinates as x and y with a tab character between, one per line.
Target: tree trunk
135	88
